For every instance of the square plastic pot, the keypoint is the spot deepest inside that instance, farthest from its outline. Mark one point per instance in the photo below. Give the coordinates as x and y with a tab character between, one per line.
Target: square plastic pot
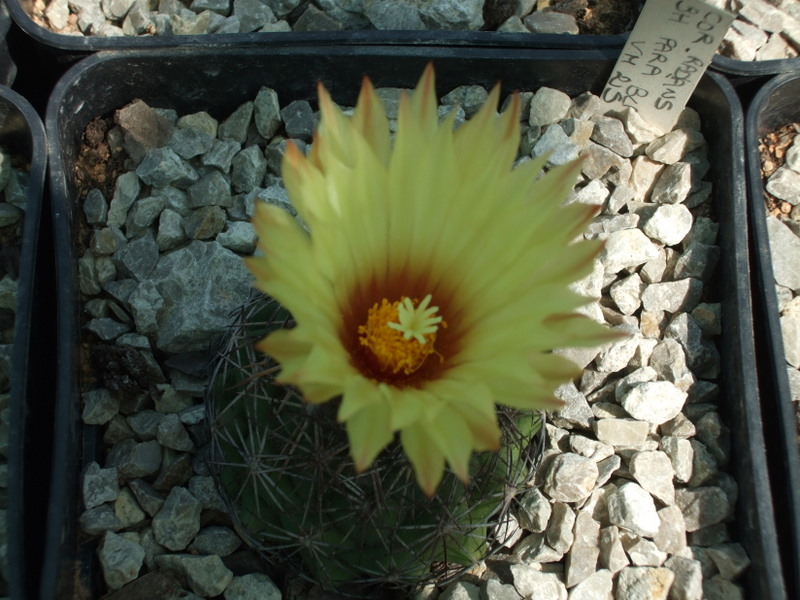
71	47
31	397
44	55
774	106
218	80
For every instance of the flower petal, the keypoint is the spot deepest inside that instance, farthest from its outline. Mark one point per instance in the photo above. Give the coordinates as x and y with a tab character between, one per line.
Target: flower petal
578	330
452	435
303	365
474	401
421	109
287	269
407	405
368	427
425	457
369	119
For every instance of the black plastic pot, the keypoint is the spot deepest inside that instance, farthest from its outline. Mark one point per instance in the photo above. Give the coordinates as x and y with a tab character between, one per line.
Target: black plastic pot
30	428
8	70
70	47
752	69
774	106
43	55
218	80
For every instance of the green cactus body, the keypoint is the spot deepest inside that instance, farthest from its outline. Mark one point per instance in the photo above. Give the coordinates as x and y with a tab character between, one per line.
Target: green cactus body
284	468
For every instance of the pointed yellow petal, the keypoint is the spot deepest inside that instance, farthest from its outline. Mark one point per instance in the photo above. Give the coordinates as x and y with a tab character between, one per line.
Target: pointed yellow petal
369	119
578	330
293	353
422	106
451	434
554	367
425	457
511	380
487	134
359	393
407	405
287	269
368	430
483	427
284	346
335	132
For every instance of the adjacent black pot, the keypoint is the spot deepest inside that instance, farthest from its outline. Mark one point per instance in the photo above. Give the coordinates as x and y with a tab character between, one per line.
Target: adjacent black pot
752	69
31	401
774	106
8	70
219	79
70	47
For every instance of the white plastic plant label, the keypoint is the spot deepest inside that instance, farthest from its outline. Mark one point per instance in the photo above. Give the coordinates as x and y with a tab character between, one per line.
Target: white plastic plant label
664	58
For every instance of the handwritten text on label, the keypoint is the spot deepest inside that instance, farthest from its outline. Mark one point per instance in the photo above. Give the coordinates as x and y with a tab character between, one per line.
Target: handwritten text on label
664	58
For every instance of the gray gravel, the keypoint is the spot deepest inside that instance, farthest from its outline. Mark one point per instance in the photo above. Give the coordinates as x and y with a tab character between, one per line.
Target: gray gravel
764	30
13	200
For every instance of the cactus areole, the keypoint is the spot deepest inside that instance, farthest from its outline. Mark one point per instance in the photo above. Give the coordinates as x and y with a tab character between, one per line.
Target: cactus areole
428	290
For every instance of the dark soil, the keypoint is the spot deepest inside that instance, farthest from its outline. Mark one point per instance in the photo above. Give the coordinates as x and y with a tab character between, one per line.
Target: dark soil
601	17
97	166
594	17
772	148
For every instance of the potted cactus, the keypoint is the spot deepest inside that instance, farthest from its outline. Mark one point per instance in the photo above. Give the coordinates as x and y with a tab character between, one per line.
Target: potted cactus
395	387
285	396
290	483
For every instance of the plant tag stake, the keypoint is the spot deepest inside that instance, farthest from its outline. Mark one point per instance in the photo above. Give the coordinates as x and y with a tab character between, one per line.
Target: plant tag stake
664	58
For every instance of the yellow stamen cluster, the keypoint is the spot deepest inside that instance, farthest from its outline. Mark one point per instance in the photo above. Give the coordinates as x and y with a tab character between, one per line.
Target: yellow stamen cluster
401	334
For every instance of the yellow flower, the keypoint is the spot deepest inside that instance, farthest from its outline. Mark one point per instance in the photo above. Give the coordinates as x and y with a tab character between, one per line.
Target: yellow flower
433	283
